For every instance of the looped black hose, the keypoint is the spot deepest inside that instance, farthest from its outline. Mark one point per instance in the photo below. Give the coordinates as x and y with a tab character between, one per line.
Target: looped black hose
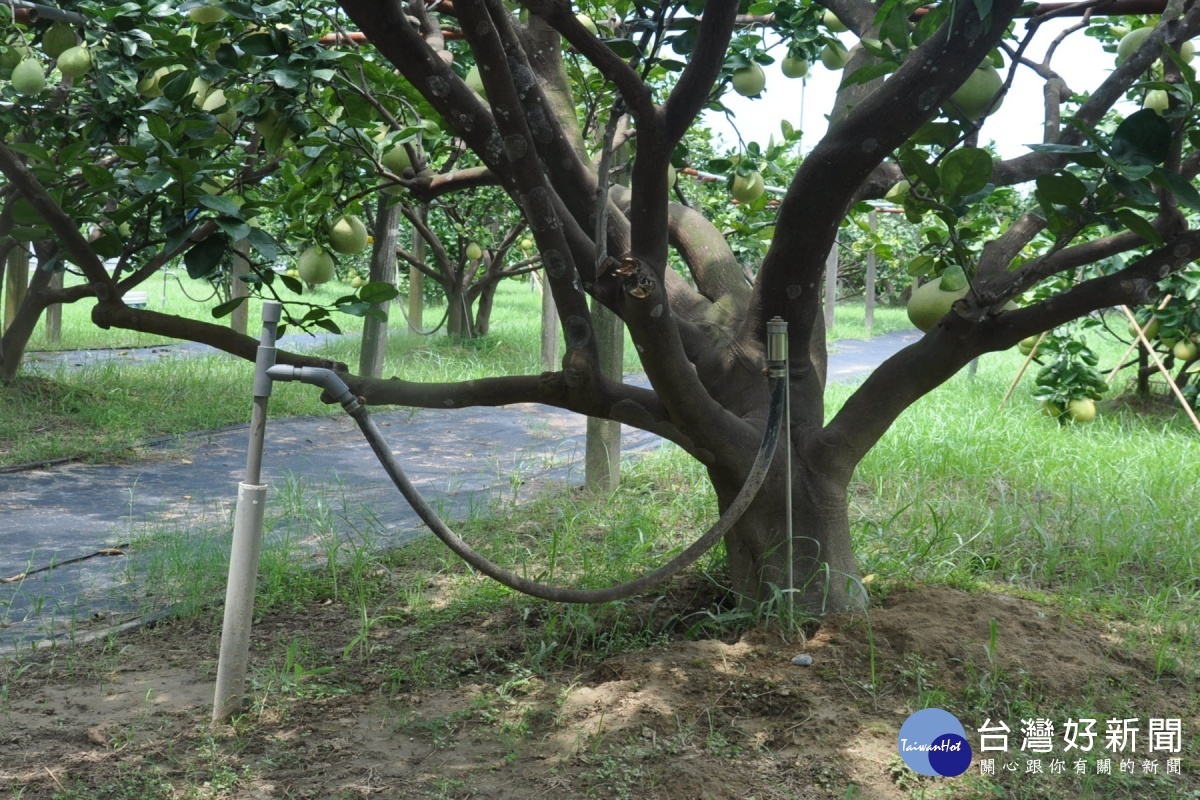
754	481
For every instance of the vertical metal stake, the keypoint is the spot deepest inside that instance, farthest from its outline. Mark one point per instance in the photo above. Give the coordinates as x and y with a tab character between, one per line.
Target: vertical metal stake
777	360
247	538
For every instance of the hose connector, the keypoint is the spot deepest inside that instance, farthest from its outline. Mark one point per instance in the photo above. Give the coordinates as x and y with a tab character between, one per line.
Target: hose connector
327	379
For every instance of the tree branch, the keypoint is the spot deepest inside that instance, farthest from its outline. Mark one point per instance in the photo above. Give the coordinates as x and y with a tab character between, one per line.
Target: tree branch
690	94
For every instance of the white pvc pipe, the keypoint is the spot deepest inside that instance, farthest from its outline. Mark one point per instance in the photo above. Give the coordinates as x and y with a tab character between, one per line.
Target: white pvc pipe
239	601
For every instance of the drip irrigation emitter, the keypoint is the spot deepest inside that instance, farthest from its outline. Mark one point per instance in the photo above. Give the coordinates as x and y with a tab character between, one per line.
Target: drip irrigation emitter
248	519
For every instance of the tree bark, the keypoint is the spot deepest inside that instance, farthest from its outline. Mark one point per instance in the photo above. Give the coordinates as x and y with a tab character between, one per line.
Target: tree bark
23	323
823	564
458	322
239	320
416	278
602	458
16	283
549	346
484	306
54	312
382	270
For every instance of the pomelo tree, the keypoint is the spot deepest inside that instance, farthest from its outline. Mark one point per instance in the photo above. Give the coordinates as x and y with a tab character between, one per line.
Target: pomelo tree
1103	221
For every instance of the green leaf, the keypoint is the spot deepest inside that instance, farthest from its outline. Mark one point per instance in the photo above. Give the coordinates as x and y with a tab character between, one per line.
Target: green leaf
378	292
203	258
234	227
261	241
130	153
34	151
1138	191
1138	225
259	44
97	177
228	307
330	325
220	204
1184	191
1063	189
1144	138
152	181
868	73
622	47
1062	149
965	171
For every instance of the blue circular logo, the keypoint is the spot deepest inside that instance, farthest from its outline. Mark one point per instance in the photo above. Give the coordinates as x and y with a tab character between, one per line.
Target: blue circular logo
933	742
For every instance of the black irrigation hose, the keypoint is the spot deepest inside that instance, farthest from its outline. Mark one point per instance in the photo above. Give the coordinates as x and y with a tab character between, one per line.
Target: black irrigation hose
754	481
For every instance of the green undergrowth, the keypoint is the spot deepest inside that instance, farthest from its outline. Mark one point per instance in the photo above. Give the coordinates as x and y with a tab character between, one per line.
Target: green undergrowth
1093	522
1098	517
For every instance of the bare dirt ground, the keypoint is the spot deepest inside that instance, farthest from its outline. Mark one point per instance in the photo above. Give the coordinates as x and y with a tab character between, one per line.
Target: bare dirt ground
454	711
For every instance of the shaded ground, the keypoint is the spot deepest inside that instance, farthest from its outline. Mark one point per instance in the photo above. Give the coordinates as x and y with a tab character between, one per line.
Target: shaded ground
450	712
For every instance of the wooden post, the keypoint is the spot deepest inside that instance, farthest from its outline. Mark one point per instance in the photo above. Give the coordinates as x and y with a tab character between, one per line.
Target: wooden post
549	330
602	462
416	279
382	270
54	313
831	271
240	318
869	289
16	283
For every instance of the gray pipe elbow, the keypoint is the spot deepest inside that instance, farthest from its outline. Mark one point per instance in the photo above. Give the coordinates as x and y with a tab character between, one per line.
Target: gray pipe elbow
327	379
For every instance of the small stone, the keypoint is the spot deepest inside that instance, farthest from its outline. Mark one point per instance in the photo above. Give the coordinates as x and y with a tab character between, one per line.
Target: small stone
802	660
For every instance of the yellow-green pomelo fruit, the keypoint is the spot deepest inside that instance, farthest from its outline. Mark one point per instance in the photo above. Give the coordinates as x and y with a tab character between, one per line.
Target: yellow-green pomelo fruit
976	93
747	189
206	14
348	235
74	62
57	39
929	303
28	77
1082	410
793	67
1157	100
315	265
834	55
832	22
1130	42
749	81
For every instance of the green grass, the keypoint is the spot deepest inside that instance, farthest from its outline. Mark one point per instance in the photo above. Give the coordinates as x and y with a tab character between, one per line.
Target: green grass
1102	516
849	321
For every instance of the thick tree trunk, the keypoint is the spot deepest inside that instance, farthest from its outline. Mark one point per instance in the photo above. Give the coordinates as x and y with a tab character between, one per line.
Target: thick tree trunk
458	321
16	284
22	325
484	306
54	313
382	270
823	566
